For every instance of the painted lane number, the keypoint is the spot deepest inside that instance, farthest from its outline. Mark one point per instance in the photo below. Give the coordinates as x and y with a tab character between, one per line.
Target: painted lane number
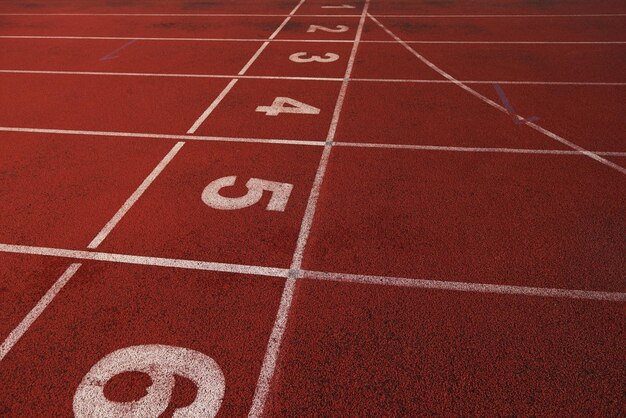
338	29
301	57
162	363
287	105
278	202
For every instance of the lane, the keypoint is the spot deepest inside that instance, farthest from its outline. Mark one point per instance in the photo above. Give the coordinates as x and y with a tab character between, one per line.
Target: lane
498	7
60	190
259	27
606	28
165	57
513	62
351	350
527	220
104	103
107	307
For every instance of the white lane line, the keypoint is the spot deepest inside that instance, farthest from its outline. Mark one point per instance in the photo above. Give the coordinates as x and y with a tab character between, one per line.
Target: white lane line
285	273
278	330
179	14
509	15
474	149
245	68
468	287
498	106
145	260
161	136
319	15
134	197
530	83
304	142
302	78
259	40
510	42
34	313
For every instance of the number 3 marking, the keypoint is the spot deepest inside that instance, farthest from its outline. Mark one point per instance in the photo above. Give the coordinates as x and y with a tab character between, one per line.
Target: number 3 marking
338	29
301	57
278	202
161	363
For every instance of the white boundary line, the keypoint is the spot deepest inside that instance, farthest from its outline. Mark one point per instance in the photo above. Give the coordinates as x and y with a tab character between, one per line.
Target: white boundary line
321	15
507	15
162	136
304	78
468	286
177	14
499	107
245	68
307	274
145	260
416	147
259	40
278	330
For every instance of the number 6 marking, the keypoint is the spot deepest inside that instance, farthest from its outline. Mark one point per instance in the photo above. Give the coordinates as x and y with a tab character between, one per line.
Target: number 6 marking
301	57
338	29
161	363
278	202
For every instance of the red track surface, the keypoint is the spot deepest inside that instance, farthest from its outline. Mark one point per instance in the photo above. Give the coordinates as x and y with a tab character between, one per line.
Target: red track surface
409	242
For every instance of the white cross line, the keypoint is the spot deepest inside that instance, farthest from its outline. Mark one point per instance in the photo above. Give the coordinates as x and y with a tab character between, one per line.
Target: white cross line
284	273
528	15
260	40
320	143
305	78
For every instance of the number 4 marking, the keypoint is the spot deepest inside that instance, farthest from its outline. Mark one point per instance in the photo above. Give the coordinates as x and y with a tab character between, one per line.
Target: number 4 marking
278	202
342	6
288	105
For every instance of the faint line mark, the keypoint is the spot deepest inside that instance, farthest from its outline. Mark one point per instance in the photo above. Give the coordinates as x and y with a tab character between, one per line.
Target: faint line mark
517	119
111	55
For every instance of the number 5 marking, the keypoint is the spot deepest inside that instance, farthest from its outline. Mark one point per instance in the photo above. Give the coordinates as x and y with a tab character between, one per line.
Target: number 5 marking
278	202
338	29
301	57
162	363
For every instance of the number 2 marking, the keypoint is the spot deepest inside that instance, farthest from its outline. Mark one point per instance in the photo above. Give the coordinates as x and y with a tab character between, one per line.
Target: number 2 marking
162	363
278	202
338	29
300	57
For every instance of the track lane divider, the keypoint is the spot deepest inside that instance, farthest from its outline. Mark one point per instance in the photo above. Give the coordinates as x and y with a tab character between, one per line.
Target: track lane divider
276	337
278	272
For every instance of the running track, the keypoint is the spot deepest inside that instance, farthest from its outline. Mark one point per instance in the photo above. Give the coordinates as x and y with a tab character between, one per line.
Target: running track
312	208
